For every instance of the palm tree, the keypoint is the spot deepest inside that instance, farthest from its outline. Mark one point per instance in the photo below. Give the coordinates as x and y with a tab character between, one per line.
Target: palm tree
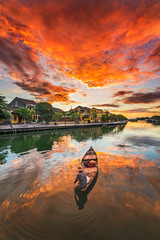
4	114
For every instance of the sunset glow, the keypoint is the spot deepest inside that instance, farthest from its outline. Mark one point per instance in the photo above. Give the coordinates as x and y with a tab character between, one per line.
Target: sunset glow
67	52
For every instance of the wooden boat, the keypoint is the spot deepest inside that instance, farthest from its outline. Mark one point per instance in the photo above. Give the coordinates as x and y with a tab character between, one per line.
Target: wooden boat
90	167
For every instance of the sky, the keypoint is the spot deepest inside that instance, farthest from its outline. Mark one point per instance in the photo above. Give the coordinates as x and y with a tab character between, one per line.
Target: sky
94	53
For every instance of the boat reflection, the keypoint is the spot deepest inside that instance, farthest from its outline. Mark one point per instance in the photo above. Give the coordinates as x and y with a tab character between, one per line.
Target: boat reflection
81	196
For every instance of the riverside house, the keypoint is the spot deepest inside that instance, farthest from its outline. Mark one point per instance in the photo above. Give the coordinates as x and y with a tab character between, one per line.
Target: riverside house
98	112
84	113
18	103
88	115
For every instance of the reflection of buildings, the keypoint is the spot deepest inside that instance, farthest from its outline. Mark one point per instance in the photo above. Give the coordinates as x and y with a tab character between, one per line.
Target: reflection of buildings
95	133
18	103
45	140
153	121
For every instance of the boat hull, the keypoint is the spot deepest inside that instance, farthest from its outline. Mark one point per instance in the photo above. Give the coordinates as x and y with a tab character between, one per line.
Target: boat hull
90	167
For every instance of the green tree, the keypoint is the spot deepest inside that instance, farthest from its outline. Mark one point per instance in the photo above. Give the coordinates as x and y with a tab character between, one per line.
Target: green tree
4	114
156	117
75	116
85	116
45	110
121	117
113	117
94	114
103	117
24	113
56	116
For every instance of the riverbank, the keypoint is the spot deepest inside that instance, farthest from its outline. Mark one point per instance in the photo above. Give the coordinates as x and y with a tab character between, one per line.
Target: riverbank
17	128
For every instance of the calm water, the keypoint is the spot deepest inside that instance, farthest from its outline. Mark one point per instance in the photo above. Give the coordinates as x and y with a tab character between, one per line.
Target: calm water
37	171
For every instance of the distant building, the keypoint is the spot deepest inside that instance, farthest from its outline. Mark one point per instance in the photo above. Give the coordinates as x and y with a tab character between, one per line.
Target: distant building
88	115
81	110
98	113
18	103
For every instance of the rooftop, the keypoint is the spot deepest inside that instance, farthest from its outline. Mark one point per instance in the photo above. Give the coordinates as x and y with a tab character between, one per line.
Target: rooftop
26	101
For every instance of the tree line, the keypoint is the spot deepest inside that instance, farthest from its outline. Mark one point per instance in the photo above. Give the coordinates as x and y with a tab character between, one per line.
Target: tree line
44	110
46	113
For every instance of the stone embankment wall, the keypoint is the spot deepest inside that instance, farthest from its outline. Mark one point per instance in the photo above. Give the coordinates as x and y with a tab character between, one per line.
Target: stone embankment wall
16	128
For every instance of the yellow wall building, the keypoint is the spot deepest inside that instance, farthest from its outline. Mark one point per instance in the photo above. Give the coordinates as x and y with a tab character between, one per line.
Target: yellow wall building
2	121
18	103
88	115
14	118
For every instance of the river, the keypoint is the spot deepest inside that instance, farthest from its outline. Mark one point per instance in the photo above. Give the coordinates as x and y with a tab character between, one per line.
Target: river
37	171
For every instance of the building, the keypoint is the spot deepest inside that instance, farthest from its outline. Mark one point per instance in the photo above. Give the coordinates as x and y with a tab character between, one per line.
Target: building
88	115
81	110
18	103
97	113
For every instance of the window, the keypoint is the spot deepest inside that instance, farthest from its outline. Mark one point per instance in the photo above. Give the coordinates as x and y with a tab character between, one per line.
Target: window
15	118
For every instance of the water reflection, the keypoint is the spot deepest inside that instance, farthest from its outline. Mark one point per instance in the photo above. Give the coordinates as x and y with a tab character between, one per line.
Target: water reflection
3	157
43	141
37	200
81	199
143	141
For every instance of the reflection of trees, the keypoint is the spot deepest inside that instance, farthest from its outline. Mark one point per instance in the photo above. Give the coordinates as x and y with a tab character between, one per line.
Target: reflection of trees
86	133
156	123
4	143
25	142
3	156
120	127
93	133
44	140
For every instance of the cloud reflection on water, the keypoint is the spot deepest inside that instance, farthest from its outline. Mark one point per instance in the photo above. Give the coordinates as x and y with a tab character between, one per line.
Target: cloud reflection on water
37	187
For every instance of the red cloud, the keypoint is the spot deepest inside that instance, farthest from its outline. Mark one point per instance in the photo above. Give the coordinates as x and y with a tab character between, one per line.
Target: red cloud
148	97
106	105
23	66
138	97
154	59
101	43
121	93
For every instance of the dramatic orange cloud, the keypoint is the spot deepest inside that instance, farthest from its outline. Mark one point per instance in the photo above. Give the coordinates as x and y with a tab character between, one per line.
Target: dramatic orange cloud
101	43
